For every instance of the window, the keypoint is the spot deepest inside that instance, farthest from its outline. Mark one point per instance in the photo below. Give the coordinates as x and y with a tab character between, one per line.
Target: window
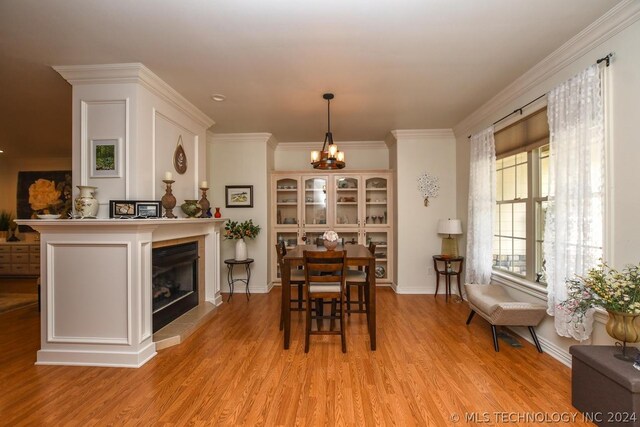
522	181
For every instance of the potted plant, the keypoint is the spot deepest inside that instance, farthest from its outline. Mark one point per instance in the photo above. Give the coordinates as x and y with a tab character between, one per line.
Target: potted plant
234	230
618	292
5	223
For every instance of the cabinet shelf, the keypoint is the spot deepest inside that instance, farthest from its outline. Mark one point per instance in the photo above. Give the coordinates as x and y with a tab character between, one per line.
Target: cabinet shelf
347	203
376	189
287	204
287	190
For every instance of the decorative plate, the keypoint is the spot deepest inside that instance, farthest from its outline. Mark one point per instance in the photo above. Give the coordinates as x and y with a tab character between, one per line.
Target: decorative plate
380	271
48	216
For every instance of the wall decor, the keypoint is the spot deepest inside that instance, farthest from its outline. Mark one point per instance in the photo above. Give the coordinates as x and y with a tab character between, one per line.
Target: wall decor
180	157
123	209
43	192
429	186
105	158
239	196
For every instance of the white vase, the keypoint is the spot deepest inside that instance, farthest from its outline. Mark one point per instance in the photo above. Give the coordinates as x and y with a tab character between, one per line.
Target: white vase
86	204
241	250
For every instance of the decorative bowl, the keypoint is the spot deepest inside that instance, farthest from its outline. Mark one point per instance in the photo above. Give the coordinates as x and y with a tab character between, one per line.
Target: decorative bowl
49	216
380	272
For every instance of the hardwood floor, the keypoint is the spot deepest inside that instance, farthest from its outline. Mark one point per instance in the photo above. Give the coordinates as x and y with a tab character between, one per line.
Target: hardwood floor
429	367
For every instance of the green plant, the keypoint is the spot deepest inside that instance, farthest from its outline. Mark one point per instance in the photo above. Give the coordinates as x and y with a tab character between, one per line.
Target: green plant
604	287
235	230
5	220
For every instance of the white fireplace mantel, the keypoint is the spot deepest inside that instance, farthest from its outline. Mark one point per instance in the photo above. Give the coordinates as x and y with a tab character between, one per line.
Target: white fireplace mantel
96	286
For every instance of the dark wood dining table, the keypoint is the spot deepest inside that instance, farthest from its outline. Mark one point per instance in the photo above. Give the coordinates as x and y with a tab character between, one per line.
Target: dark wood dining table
357	255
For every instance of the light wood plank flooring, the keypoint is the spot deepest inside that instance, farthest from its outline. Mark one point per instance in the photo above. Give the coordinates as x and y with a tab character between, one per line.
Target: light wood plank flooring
429	367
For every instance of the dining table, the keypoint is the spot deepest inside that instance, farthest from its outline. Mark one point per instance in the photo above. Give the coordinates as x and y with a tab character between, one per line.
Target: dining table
357	255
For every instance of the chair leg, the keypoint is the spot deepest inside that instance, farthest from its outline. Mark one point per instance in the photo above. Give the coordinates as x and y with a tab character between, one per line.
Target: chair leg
300	296
319	312
470	316
495	338
281	318
332	324
343	335
535	339
349	300
437	283
360	297
307	325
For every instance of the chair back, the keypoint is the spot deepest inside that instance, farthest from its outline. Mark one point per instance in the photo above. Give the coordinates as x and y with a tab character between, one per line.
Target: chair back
281	251
325	267
372	248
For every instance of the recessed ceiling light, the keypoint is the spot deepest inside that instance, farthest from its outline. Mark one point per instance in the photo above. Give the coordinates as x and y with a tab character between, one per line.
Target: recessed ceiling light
218	97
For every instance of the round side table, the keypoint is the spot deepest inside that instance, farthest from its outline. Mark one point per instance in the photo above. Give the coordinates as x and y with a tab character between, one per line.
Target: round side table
230	264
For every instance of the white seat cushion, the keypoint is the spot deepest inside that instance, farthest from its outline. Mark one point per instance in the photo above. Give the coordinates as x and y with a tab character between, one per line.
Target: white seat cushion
325	287
356	276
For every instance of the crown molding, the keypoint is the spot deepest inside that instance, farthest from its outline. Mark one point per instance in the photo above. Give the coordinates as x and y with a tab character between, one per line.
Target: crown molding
316	145
422	133
608	25
242	137
134	72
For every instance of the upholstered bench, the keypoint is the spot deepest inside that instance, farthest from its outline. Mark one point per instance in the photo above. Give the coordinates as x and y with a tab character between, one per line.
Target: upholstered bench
499	309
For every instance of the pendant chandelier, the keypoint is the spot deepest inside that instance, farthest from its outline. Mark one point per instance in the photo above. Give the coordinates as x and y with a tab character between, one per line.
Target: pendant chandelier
329	157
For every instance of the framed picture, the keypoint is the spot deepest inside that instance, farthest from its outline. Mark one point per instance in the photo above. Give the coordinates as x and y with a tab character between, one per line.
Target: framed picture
239	196
43	192
134	209
105	158
149	209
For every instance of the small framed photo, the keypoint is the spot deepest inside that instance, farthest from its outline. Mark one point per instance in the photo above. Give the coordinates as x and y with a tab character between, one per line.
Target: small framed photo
239	196
105	158
122	208
150	209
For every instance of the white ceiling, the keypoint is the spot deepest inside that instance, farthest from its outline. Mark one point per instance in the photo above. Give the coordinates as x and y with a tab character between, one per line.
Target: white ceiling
410	64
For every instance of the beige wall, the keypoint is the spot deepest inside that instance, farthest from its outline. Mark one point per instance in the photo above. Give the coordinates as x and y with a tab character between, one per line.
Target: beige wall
9	169
623	232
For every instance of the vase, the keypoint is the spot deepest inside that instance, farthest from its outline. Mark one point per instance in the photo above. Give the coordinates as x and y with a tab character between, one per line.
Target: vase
86	204
217	214
241	250
191	208
330	245
623	327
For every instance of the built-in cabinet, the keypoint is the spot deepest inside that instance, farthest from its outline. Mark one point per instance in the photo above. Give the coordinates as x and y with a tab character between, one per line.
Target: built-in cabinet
19	259
357	205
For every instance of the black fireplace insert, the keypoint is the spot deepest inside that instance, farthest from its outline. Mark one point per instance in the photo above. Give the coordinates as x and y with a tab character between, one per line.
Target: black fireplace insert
174	282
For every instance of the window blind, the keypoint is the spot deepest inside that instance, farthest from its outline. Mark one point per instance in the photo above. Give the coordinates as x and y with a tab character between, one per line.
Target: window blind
524	135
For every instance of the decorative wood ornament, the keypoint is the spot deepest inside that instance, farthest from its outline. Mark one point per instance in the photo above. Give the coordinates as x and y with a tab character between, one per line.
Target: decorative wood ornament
180	158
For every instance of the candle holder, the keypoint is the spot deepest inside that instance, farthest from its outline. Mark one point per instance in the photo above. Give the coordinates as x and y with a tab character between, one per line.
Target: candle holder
204	203
168	200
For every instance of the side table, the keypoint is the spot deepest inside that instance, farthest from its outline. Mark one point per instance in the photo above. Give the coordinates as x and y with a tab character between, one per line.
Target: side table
230	264
447	266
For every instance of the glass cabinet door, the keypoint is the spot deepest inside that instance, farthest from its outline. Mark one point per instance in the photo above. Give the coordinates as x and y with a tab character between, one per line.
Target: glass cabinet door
376	202
347	210
287	202
314	201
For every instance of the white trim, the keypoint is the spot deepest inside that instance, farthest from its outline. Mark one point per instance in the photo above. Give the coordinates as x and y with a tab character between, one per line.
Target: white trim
316	145
240	137
132	73
520	284
608	25
116	359
548	347
422	133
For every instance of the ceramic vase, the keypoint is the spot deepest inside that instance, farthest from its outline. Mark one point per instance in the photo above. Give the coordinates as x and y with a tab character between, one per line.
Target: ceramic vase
330	245
217	214
191	208
241	250
86	204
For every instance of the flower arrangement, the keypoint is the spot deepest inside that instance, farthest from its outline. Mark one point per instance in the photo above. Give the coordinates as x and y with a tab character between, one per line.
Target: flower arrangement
234	230
330	236
604	287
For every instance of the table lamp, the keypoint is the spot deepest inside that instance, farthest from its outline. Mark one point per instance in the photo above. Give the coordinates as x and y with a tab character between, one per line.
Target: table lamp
449	243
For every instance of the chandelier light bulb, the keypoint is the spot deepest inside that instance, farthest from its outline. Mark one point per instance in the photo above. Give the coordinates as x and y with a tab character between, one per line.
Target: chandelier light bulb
340	156
333	149
315	156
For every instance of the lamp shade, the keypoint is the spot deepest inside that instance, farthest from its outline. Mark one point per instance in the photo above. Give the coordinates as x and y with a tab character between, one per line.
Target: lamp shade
450	226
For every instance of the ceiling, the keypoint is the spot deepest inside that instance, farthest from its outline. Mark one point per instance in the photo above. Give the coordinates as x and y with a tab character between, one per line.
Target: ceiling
410	64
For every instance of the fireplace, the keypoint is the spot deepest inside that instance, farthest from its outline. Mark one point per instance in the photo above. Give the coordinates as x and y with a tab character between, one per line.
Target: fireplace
174	282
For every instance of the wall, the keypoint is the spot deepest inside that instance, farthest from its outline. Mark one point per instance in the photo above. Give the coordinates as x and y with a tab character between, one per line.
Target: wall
9	169
295	156
413	153
243	159
617	32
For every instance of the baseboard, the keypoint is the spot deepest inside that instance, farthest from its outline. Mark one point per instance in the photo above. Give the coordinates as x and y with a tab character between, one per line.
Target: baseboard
115	359
548	347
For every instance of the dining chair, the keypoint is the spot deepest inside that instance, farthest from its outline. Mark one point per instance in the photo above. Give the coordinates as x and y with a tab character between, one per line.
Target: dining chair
297	278
359	278
325	274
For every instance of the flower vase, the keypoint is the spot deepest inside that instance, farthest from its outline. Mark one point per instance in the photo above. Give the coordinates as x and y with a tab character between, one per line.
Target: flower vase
623	327
86	204
330	245
241	250
217	214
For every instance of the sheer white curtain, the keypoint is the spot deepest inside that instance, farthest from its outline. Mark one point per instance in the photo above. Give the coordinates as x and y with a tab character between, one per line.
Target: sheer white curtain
574	223
482	200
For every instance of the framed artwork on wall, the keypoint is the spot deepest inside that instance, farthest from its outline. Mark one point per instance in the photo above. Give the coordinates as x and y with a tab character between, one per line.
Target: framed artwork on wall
105	158
238	196
43	192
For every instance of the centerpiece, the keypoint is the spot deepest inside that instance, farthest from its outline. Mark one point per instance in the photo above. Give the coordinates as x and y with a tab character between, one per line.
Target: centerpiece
238	231
618	292
330	240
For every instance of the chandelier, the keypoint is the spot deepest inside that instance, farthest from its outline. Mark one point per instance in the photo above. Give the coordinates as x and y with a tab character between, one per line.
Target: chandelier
329	157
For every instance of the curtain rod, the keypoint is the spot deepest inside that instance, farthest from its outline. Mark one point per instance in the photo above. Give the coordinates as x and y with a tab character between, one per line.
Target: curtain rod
605	59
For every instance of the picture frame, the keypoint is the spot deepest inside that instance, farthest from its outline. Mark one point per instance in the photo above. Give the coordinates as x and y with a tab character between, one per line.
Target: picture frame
105	158
135	209
238	196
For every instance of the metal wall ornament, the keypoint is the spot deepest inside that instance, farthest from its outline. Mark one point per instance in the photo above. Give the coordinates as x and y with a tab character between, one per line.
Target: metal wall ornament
429	186
180	157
